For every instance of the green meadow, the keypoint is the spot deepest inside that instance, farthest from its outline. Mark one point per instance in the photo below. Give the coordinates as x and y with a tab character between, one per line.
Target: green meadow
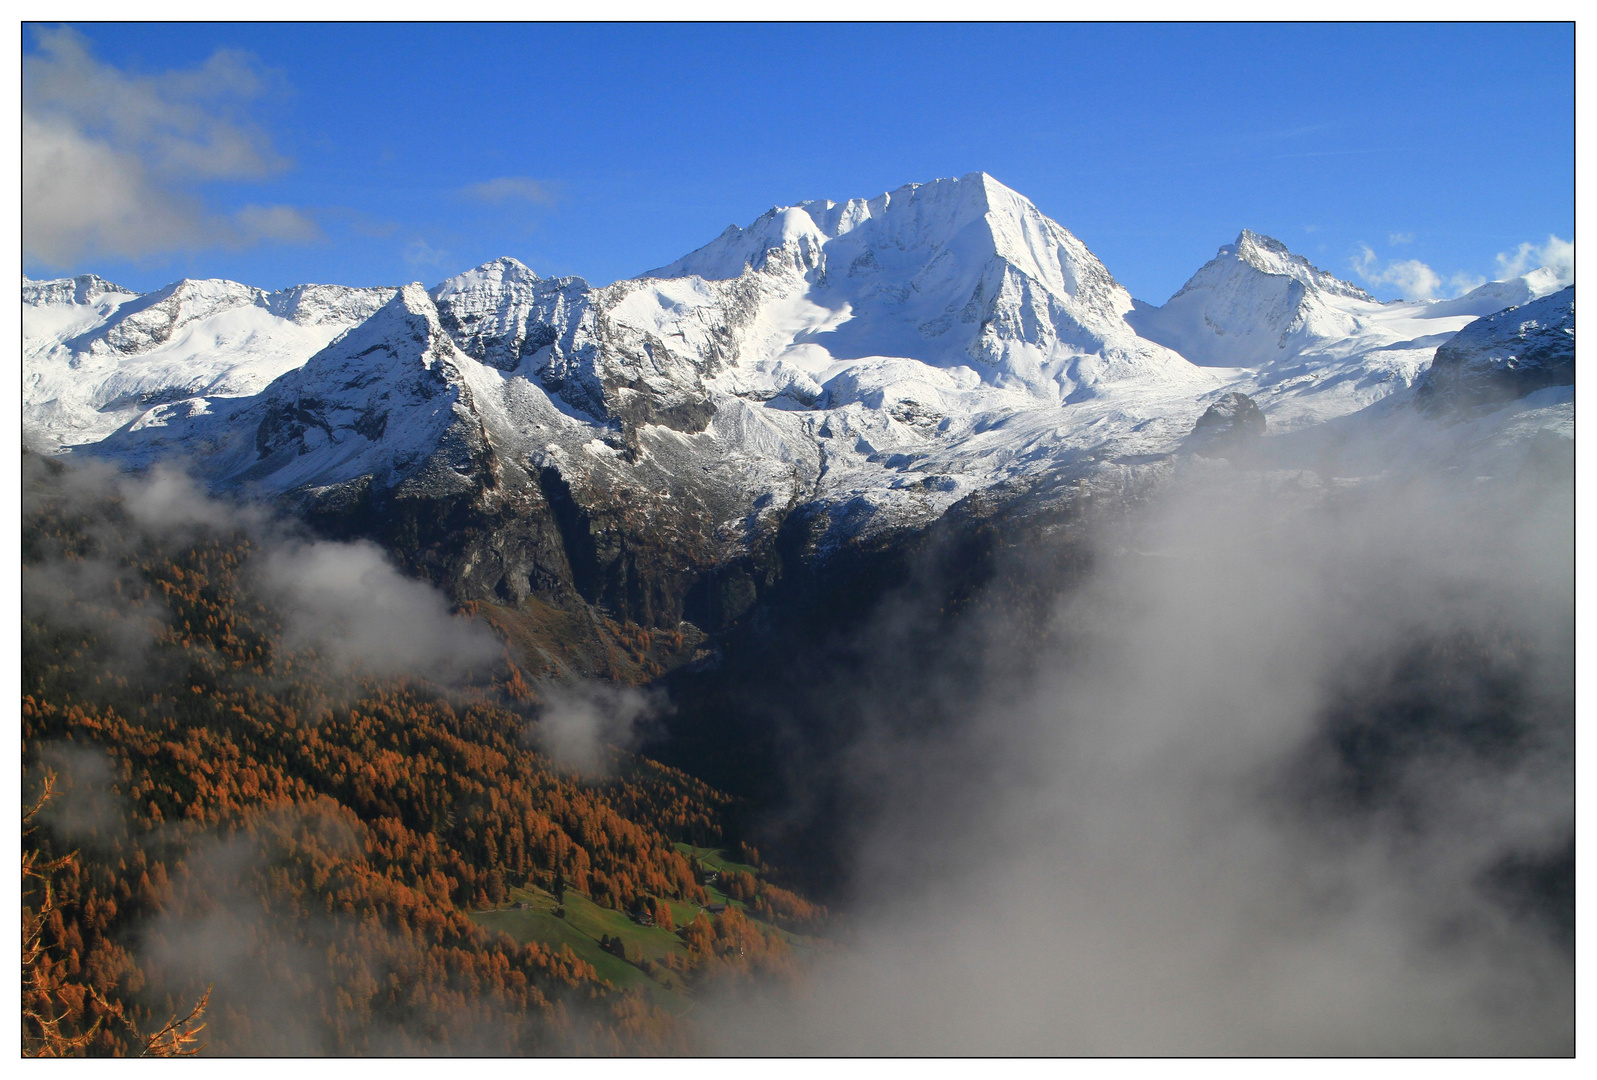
584	923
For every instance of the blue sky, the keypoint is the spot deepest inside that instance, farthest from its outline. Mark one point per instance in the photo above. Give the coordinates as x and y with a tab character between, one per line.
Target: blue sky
364	155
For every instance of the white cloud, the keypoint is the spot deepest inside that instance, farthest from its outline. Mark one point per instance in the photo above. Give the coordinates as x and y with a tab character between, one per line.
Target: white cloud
1412	278
579	721
1400	238
505	189
350	603
1417	281
283	224
109	160
1556	254
419	253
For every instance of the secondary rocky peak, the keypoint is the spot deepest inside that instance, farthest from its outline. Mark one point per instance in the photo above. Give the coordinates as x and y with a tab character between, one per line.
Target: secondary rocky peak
1255	302
409	316
501	312
313	305
150	320
739	250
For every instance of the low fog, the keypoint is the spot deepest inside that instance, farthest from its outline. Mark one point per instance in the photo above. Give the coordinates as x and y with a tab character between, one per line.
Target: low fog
1293	776
580	721
346	601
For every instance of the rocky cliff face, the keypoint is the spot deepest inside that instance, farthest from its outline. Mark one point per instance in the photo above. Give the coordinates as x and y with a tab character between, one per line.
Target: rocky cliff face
84	289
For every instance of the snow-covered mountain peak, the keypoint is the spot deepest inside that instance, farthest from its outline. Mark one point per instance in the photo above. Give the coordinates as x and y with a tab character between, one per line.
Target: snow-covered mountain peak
497	275
1268	255
153	318
97	357
738	249
1494	296
410	316
953	272
83	289
1318	347
1255	303
501	312
376	401
973	217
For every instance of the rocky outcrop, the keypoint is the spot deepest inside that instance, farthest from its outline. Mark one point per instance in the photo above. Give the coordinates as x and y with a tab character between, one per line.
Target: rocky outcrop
1232	424
1503	357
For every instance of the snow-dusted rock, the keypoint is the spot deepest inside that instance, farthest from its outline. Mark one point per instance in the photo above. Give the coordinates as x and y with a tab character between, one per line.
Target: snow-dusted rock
97	357
375	403
1231	424
82	290
1502	357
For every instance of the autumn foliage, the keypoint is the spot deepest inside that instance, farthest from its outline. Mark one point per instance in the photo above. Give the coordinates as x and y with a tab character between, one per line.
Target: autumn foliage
311	842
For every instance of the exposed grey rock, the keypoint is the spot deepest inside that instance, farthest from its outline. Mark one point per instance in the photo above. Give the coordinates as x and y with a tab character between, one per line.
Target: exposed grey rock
1503	357
1231	424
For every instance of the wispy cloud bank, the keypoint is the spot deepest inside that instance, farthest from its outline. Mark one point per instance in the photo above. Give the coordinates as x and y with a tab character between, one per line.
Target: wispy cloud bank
345	601
1556	254
510	189
1414	279
419	253
1418	281
349	602
579	721
110	160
